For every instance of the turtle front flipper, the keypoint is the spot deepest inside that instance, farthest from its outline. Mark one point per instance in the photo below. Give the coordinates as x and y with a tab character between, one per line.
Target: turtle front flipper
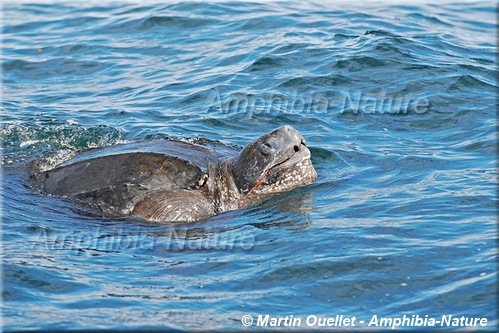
174	206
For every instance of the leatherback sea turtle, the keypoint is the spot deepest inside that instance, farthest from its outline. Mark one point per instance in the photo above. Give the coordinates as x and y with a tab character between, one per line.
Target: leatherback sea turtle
179	181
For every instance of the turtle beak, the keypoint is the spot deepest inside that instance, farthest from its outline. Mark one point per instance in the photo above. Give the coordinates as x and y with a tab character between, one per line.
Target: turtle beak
283	146
287	145
290	143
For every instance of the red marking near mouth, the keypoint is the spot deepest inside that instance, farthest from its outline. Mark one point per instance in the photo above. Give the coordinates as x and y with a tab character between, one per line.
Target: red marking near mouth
260	180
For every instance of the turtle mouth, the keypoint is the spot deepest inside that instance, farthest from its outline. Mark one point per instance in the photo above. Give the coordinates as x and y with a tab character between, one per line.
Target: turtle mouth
294	156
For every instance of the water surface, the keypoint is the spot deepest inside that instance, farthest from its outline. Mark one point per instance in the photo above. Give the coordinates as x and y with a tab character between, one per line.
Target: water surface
397	102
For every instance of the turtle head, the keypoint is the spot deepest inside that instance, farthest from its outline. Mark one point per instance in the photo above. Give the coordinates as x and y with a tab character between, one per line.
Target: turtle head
278	161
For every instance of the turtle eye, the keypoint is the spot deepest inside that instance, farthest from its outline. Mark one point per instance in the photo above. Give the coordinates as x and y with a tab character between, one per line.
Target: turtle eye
266	148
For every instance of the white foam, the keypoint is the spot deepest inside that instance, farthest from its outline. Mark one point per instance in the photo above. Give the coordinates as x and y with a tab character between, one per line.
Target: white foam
28	143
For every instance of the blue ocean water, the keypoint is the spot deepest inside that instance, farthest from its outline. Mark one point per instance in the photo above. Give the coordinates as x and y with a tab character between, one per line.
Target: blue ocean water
396	100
